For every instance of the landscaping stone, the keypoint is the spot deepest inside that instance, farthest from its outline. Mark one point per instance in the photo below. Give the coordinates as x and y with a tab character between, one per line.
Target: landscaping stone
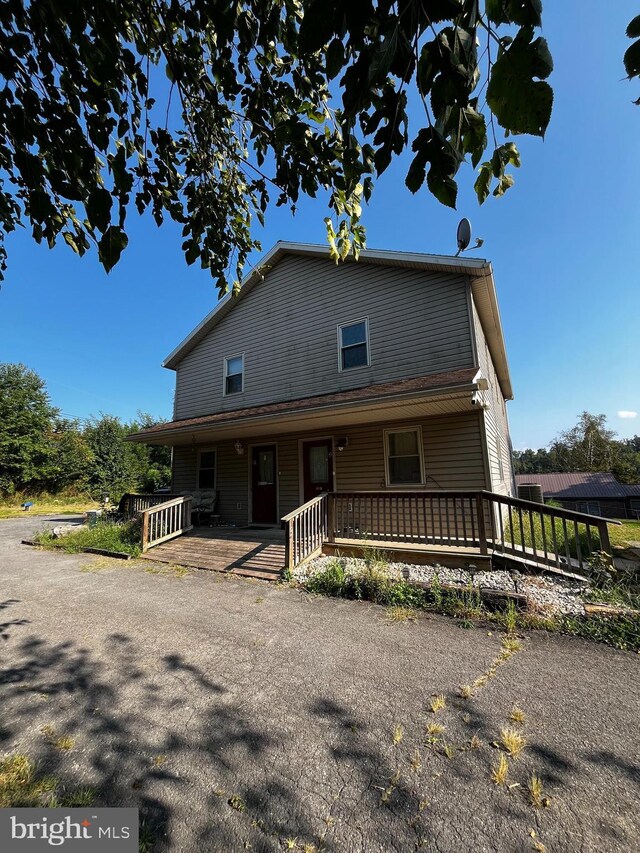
544	594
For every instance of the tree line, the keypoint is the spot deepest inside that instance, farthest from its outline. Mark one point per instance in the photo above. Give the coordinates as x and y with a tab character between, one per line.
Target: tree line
588	446
41	451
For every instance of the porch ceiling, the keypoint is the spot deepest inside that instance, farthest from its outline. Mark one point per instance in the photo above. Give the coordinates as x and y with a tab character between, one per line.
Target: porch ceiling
330	418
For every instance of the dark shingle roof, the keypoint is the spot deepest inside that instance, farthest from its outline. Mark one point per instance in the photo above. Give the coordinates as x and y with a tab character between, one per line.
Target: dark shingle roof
580	485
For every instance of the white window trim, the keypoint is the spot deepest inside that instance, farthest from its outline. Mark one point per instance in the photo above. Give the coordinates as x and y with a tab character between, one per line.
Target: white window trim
225	362
341	326
387	432
202	450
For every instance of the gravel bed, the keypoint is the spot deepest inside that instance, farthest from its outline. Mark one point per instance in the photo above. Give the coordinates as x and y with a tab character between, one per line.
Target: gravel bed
545	594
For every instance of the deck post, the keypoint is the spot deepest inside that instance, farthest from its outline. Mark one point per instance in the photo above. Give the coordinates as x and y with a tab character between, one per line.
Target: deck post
288	545
605	542
482	529
331	517
145	531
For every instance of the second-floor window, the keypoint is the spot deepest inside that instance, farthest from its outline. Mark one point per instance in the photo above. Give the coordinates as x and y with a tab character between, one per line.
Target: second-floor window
234	374
353	344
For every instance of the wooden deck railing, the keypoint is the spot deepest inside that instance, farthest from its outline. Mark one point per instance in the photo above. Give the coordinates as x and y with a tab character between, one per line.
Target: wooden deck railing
132	504
165	520
306	530
481	521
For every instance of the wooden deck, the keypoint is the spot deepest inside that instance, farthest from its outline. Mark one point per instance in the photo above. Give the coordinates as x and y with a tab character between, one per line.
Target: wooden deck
249	552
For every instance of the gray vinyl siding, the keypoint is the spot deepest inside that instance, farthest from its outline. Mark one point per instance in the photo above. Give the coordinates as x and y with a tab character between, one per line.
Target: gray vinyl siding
453	457
287	329
496	424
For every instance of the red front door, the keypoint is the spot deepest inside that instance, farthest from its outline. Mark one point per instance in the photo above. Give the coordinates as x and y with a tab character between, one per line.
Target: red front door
264	485
317	467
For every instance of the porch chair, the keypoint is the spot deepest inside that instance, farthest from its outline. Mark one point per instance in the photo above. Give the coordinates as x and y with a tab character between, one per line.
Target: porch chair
205	503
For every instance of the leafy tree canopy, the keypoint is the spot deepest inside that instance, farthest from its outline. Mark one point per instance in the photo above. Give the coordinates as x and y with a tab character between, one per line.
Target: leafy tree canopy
26	417
265	100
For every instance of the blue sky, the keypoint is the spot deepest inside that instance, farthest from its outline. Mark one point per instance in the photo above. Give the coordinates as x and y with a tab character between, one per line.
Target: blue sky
564	243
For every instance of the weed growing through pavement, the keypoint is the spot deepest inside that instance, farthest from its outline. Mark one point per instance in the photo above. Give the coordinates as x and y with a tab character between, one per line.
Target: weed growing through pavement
416	762
291	844
500	771
398	734
401	614
517	716
512	741
61	742
236	802
438	703
449	750
434	729
511	644
465	691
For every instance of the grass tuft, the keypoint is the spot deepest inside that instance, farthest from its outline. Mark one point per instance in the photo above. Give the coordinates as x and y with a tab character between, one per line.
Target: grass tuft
449	750
438	703
236	802
511	644
466	691
398	734
512	741
535	789
517	716
500	771
434	729
401	614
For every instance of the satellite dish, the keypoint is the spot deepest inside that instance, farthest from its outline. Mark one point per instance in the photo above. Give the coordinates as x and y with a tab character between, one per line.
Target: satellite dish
464	235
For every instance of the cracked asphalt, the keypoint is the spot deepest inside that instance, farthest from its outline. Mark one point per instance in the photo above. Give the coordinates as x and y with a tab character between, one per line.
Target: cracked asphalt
243	716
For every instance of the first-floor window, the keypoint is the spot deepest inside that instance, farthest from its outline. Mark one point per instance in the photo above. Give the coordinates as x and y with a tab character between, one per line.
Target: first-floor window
233	374
207	469
403	451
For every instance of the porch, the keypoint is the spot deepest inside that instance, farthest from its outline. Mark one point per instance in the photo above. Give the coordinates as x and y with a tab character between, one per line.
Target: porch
451	528
247	552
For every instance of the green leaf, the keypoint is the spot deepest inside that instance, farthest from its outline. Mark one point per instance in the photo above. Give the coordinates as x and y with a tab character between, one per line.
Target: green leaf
443	188
483	182
520	103
522	12
335	58
633	30
71	241
98	207
318	25
632	60
111	245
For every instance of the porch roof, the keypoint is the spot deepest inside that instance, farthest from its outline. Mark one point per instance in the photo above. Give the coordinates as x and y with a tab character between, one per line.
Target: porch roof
437	393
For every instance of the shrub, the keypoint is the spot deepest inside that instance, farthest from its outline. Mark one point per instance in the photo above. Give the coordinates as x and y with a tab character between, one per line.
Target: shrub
329	581
106	535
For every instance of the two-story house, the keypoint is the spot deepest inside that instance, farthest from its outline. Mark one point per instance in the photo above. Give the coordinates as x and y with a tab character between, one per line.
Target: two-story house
385	375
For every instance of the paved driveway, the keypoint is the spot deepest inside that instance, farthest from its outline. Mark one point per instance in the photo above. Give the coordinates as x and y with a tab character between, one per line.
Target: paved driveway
242	716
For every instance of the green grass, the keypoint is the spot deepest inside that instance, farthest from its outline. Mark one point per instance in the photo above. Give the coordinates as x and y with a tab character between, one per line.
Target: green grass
465	604
619	534
622	535
106	535
45	505
22	787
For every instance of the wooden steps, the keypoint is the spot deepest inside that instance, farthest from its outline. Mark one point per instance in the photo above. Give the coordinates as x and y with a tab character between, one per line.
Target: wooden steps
247	553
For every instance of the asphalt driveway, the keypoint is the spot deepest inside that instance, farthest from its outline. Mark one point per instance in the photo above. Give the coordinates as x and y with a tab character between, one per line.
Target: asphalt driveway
243	716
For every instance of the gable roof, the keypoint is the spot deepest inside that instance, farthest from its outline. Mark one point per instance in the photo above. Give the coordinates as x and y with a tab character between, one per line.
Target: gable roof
580	485
478	270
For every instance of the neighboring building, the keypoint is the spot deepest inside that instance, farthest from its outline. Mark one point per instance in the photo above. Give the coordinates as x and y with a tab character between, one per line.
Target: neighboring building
385	374
582	491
